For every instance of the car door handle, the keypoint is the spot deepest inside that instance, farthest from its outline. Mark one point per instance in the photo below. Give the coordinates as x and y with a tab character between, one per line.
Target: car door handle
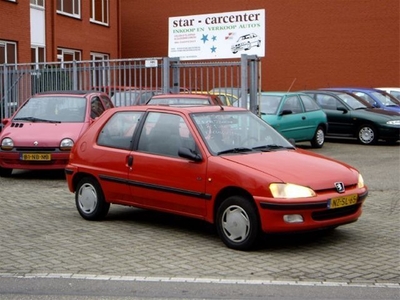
130	160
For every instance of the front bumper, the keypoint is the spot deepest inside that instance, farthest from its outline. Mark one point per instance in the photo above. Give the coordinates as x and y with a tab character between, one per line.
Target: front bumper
315	214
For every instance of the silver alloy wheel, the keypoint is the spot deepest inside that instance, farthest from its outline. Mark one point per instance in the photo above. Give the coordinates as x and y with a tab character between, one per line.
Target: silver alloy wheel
87	198
320	136
366	135
235	223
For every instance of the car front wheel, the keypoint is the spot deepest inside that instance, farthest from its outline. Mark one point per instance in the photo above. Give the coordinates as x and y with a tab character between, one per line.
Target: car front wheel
89	200
367	134
5	172
319	138
238	223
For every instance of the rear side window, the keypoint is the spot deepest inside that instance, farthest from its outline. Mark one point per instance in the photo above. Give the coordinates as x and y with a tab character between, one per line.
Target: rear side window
119	129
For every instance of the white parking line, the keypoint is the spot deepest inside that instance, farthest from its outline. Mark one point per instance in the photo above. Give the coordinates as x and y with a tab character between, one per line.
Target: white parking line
197	280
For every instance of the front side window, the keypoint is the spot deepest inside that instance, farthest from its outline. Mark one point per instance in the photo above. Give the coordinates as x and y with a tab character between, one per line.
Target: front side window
8	52
164	134
69	7
293	104
99	11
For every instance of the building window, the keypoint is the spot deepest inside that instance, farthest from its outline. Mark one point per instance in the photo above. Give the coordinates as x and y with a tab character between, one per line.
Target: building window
68	55
99	11
39	3
8	52
69	7
37	55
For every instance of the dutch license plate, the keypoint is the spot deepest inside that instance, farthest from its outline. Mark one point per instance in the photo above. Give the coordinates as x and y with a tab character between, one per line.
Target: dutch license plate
36	156
343	201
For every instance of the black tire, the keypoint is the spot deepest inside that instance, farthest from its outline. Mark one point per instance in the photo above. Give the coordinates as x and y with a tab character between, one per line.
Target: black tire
367	134
89	200
319	138
237	223
5	172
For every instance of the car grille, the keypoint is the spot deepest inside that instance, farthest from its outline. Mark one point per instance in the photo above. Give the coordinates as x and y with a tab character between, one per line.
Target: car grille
335	213
36	149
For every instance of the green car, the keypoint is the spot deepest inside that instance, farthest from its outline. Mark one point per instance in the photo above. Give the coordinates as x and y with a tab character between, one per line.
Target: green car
294	115
352	117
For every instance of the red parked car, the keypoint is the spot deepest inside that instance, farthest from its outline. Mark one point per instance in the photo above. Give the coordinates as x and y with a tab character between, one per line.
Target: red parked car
43	130
220	164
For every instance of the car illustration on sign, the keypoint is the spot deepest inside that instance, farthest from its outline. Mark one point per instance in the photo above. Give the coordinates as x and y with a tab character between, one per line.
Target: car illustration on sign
245	42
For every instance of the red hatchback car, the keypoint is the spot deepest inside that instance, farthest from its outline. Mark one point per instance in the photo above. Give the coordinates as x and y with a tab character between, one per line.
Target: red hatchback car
220	164
43	130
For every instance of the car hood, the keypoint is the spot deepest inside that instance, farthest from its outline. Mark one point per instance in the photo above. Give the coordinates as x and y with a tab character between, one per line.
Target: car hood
24	134
297	166
388	111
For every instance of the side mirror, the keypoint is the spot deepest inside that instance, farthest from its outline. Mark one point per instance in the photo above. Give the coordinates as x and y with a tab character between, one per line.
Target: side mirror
285	112
189	154
344	110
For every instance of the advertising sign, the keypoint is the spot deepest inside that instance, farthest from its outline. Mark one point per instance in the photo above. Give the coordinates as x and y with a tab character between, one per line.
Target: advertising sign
217	36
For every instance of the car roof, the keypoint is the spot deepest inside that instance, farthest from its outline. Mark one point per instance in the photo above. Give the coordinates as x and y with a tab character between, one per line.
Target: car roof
183	95
67	92
174	108
365	89
280	93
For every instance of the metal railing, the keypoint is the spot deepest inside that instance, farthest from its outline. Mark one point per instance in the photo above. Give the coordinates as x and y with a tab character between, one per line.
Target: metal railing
20	81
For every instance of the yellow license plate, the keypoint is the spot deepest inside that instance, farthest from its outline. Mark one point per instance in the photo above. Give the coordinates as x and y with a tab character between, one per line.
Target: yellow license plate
36	156
343	201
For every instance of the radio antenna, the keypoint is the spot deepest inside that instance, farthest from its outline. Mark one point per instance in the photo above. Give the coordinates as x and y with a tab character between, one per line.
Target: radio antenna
291	85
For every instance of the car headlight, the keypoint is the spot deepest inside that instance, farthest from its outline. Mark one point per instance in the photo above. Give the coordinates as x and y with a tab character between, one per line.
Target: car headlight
393	122
66	144
360	183
7	144
289	190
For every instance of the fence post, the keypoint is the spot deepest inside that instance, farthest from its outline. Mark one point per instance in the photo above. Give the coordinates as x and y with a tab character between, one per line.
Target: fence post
74	75
253	66
244	81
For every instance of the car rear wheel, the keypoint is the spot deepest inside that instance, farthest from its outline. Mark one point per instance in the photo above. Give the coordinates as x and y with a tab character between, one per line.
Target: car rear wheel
238	223
319	138
89	200
367	134
5	172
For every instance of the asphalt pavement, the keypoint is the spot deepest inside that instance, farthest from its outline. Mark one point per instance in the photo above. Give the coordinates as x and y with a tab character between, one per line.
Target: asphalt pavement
43	236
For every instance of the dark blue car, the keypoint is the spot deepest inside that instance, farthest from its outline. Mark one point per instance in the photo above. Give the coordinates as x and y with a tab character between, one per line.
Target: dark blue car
375	97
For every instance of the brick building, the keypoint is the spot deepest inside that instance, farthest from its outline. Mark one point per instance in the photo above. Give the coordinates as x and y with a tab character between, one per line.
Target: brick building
59	30
309	43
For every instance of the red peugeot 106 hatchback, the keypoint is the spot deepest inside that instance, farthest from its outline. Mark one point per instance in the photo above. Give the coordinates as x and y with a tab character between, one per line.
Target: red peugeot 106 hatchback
41	133
220	164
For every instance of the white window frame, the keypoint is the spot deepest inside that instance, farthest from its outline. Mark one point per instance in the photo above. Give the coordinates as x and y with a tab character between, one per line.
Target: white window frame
76	54
76	9
4	44
37	4
105	7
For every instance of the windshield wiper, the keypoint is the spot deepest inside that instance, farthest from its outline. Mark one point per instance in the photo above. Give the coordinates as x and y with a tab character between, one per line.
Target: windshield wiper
235	150
33	119
271	147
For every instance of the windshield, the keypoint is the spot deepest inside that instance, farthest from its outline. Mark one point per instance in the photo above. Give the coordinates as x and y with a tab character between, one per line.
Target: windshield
351	101
385	99
237	132
53	109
